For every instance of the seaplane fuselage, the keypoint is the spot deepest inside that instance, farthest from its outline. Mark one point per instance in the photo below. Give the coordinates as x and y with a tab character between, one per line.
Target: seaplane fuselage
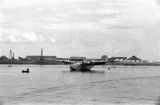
81	66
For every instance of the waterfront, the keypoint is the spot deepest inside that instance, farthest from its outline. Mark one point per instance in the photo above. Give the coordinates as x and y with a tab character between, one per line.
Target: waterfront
54	84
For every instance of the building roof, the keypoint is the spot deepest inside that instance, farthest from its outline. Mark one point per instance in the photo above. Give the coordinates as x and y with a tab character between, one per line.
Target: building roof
40	56
133	58
77	57
114	58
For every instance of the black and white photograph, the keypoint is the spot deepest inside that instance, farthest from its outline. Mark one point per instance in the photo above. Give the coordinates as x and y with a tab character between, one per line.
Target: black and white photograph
79	52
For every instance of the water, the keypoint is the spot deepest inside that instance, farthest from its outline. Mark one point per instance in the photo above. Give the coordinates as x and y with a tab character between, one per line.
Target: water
55	85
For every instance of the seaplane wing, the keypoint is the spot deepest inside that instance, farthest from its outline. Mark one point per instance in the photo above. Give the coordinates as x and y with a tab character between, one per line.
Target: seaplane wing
95	63
69	62
92	63
85	66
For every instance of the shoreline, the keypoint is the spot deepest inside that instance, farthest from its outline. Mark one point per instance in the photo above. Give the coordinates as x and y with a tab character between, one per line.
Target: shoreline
114	64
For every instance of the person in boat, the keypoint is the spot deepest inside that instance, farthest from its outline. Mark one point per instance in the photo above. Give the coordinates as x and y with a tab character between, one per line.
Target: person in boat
25	71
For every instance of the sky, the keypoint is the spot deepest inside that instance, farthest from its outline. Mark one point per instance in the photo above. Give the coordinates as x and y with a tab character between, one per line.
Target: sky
90	28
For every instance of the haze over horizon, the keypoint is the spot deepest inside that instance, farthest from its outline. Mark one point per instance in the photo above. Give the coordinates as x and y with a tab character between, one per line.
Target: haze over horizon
90	28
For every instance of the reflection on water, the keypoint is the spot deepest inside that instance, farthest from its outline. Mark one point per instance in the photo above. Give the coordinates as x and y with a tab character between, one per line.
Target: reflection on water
51	85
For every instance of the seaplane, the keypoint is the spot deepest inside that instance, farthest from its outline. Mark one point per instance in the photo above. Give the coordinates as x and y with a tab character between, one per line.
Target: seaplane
84	66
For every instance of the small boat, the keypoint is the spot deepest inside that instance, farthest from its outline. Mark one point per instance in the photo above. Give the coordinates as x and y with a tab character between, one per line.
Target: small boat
9	66
25	71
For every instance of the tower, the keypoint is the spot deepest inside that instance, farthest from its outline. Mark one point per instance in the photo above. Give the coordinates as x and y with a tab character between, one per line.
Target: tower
10	54
42	52
41	57
13	55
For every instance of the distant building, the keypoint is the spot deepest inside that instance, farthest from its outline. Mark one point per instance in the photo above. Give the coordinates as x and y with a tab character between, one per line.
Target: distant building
38	58
133	60
50	58
77	59
21	59
117	59
97	59
62	59
104	58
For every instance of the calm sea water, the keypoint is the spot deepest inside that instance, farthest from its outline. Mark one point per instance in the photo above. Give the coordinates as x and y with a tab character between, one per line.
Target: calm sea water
55	85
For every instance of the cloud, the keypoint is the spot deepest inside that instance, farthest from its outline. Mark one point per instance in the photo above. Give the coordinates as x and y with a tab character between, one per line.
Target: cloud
9	4
104	11
123	27
89	43
158	1
99	11
16	3
53	19
2	18
53	40
39	9
84	11
15	36
87	26
98	22
31	37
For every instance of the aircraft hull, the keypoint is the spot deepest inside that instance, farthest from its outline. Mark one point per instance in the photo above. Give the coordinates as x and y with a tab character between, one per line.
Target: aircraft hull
81	67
